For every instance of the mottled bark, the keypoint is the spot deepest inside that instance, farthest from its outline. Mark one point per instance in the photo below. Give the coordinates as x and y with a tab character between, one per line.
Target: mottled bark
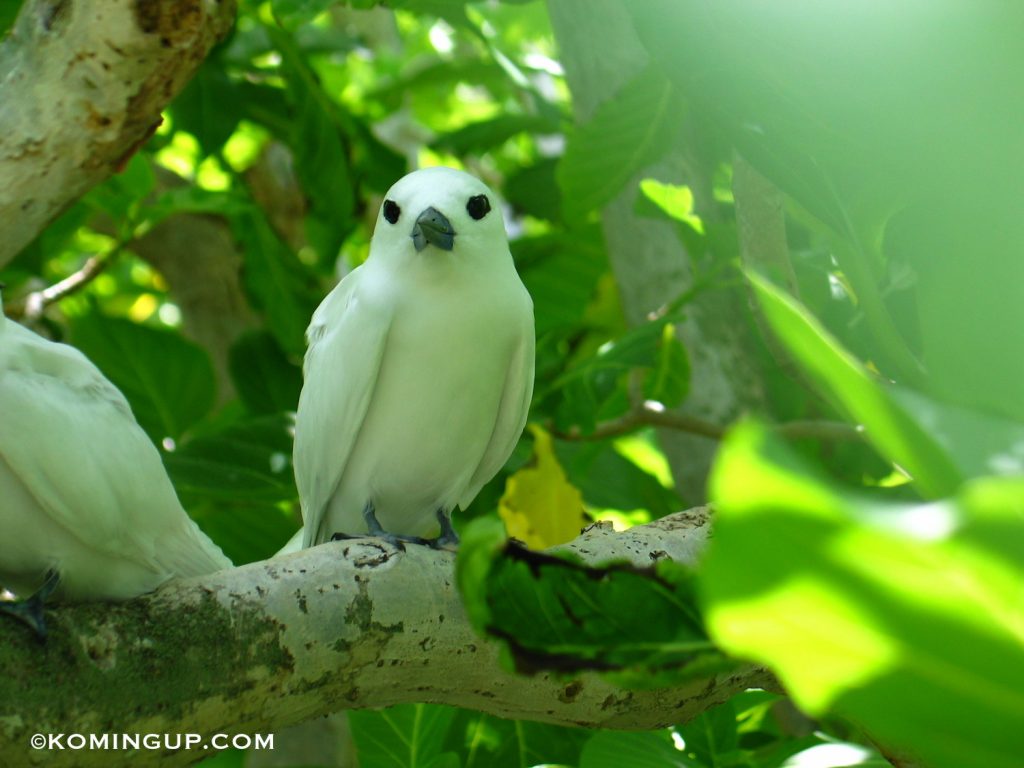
344	625
82	85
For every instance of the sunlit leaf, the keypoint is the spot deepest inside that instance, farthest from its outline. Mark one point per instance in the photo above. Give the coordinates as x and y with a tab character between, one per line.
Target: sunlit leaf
540	506
893	616
844	380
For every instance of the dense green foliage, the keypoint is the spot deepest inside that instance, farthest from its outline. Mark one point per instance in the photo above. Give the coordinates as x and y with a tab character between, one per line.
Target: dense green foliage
880	578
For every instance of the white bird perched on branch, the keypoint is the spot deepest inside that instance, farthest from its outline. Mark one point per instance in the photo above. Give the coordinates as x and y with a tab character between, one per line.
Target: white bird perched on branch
87	511
419	371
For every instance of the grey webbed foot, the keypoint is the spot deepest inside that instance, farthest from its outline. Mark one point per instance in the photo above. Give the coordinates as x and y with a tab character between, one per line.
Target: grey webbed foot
448	539
30	610
374	528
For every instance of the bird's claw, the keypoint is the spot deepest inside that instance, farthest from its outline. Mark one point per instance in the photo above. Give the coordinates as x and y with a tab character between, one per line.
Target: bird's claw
30	610
448	540
395	540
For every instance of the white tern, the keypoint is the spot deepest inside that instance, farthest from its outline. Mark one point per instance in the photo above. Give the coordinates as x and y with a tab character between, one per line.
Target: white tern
419	370
87	511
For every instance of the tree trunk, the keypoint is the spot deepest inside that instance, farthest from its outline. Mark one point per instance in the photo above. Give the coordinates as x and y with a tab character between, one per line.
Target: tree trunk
82	85
601	53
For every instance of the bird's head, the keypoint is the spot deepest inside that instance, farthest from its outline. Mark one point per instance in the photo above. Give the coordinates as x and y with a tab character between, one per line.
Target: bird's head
435	211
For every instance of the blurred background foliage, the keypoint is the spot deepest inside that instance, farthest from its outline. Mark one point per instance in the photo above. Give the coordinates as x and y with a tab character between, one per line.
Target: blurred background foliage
846	177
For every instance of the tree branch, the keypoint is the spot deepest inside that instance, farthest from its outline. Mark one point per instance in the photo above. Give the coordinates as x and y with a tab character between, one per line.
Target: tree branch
344	625
31	308
82	85
648	414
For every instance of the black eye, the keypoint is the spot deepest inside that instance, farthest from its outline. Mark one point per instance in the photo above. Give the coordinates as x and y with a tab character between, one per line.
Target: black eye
478	206
392	211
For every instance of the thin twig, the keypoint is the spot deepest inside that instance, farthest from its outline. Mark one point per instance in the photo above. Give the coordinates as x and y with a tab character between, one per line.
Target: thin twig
649	414
31	308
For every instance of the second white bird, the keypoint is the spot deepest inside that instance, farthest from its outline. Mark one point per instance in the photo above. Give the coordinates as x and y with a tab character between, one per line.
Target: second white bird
83	492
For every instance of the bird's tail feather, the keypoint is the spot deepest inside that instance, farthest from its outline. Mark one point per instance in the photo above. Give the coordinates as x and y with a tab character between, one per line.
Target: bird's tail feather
191	552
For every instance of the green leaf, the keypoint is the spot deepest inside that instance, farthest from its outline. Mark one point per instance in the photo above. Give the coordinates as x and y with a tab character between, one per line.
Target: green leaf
654	749
553	613
595	386
453	11
8	13
668	201
318	147
625	134
533	190
487	134
247	531
168	380
441	76
280	284
833	103
209	107
712	739
486	741
249	460
266	380
406	736
378	165
669	380
194	200
609	480
237	482
902	617
53	239
121	194
561	274
292	13
842	379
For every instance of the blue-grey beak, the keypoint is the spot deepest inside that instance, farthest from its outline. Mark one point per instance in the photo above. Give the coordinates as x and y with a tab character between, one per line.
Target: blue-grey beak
432	227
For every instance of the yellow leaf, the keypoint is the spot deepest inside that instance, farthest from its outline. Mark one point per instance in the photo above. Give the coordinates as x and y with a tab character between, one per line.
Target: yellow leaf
540	506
